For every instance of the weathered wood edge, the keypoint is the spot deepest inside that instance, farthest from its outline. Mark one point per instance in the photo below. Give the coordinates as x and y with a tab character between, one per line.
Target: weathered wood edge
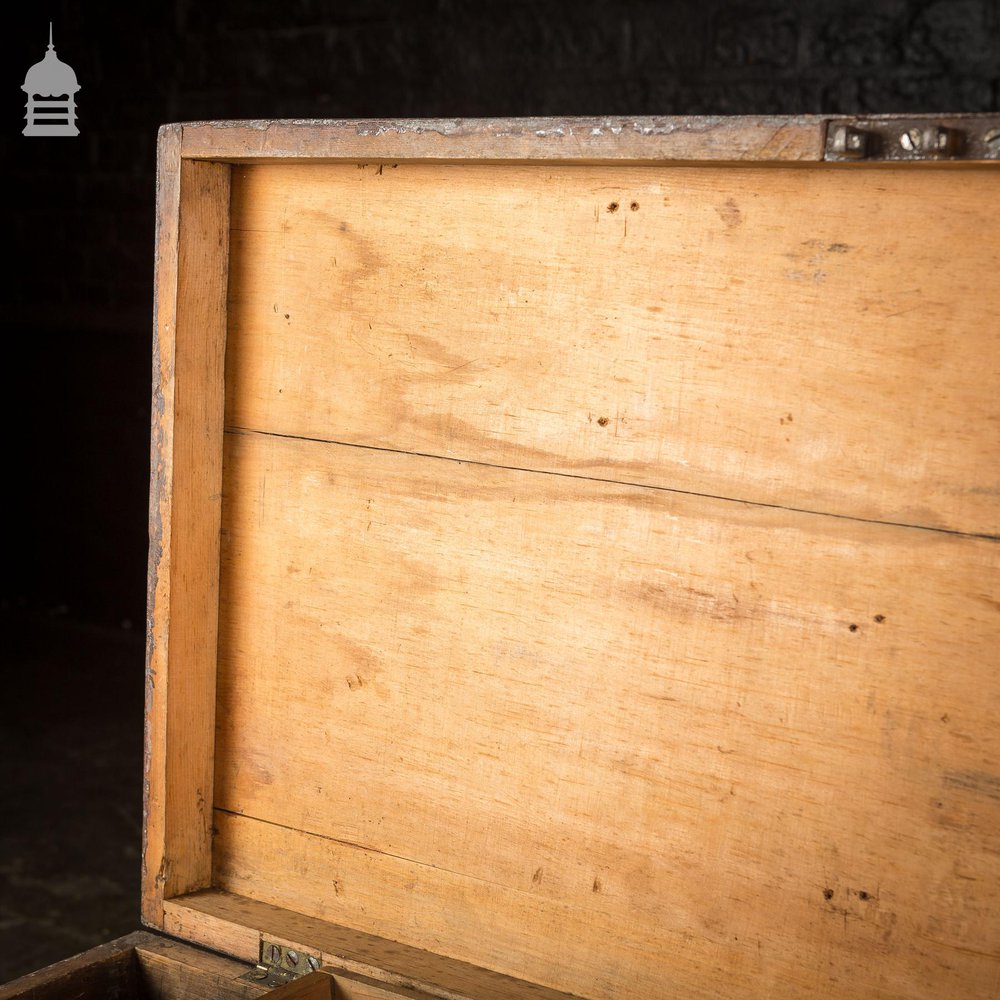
748	139
176	969
185	513
114	953
759	138
168	157
87	973
215	916
312	986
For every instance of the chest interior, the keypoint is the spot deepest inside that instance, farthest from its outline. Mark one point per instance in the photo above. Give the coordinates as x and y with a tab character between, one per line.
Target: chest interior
578	578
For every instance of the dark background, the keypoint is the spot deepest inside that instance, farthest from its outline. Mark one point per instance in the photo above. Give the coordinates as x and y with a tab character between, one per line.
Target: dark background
76	305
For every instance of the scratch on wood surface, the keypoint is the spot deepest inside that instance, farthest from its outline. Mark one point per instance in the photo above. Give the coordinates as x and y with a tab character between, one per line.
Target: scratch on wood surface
962	948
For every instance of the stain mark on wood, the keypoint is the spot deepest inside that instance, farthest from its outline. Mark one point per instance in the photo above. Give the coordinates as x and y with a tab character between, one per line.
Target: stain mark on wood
980	782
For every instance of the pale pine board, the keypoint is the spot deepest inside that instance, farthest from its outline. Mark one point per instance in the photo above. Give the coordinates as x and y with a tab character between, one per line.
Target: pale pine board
606	738
823	339
216	915
185	511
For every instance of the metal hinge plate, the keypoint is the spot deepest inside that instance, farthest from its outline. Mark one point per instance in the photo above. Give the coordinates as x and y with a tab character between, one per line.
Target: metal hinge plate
279	965
973	137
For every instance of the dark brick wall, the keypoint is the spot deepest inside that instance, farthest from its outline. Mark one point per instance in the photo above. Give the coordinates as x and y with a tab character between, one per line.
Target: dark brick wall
76	304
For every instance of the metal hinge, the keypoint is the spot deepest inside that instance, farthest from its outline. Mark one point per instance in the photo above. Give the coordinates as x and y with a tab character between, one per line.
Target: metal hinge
279	965
974	137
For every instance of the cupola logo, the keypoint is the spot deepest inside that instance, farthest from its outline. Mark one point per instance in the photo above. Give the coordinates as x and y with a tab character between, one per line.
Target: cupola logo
51	88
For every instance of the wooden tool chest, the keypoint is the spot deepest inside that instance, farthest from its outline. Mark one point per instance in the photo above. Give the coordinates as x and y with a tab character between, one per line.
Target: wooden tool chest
574	563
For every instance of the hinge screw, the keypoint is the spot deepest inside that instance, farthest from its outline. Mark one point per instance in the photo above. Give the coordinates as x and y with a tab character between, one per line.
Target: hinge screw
992	139
313	962
933	141
273	954
293	957
259	973
849	142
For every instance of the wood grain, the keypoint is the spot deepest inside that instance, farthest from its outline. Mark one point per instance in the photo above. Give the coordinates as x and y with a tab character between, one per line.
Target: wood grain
107	970
138	965
363	988
185	504
606	738
315	986
172	970
193	923
609	570
348	953
708	138
785	337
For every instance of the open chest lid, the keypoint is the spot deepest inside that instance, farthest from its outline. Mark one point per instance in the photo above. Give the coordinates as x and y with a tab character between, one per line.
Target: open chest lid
574	559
